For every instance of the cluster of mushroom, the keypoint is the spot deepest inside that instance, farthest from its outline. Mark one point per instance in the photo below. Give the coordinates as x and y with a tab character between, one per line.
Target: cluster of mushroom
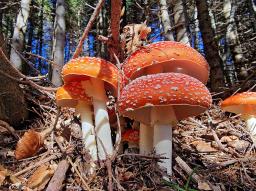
164	83
86	80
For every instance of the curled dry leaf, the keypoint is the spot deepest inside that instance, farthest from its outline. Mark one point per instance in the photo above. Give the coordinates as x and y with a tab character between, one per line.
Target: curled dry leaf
28	145
40	177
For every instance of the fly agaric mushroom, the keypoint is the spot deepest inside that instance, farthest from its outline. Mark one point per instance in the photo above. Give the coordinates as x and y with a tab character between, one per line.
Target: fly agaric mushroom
159	101
163	57
245	104
132	137
95	75
73	95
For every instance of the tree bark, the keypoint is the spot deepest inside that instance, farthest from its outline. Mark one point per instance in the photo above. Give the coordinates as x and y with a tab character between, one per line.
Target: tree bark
210	46
19	33
165	18
180	22
59	43
13	108
233	40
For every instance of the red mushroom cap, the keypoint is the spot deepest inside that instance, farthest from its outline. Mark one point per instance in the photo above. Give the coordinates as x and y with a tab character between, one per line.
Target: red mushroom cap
83	68
131	136
172	56
185	94
69	94
244	103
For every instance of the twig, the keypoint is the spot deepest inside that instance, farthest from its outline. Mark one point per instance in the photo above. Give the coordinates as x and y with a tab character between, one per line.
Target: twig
9	128
182	164
52	157
87	29
232	161
25	79
49	130
78	173
72	164
142	156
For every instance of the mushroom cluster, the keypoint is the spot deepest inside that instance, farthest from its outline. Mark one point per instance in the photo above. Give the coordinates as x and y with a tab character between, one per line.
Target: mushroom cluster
164	83
86	80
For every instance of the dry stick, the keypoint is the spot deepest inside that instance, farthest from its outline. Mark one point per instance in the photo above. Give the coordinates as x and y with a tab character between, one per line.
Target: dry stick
42	58
56	182
182	164
88	27
52	157
26	80
73	165
232	161
9	128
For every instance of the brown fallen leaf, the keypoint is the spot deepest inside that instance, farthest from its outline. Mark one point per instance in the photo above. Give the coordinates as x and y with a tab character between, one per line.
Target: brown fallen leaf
40	177
204	147
239	145
203	186
226	139
3	174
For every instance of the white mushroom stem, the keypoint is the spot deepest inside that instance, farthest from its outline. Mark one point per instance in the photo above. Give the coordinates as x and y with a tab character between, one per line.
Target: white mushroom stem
162	119
87	128
146	139
251	126
95	88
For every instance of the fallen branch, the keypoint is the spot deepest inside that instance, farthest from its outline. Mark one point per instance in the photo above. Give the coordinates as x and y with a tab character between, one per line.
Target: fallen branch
59	176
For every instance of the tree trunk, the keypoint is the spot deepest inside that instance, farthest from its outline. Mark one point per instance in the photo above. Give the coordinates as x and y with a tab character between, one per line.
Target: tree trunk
210	46
59	43
40	35
165	18
13	108
19	33
233	40
180	22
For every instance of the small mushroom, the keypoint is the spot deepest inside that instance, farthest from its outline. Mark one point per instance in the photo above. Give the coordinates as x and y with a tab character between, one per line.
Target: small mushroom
131	136
73	95
171	97
245	104
96	76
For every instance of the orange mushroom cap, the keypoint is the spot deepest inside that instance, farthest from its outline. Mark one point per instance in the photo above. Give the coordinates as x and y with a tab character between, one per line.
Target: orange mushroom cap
131	136
69	94
185	94
244	103
173	57
83	68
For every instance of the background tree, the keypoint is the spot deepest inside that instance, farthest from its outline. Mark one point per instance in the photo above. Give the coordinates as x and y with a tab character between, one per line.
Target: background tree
59	43
19	33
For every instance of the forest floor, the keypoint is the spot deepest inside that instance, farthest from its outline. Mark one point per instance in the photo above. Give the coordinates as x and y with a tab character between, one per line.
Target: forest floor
211	152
